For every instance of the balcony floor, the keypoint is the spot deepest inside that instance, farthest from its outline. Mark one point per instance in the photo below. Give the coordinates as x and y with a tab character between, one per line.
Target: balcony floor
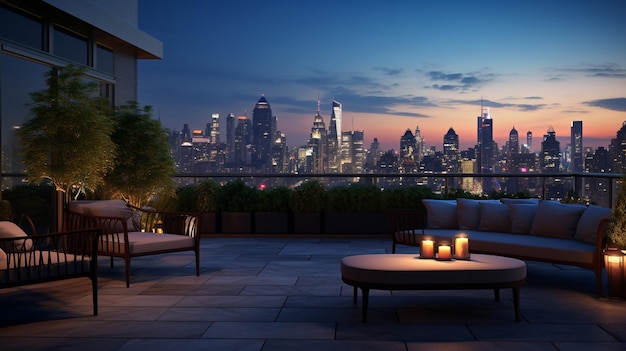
286	294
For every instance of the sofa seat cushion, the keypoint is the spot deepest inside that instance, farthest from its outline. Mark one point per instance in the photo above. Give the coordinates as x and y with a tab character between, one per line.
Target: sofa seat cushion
145	242
523	246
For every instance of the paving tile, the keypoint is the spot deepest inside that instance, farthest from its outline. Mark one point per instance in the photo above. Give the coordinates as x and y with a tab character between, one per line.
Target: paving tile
192	345
403	331
540	332
274	330
221	314
481	346
333	345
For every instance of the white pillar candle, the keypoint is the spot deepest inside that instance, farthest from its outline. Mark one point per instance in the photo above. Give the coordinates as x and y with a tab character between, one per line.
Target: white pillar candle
445	252
428	249
461	247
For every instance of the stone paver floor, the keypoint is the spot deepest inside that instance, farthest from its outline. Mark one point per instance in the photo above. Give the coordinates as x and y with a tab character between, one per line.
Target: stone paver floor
287	294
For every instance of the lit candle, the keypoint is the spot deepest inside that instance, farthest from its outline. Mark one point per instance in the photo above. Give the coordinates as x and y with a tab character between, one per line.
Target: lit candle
461	248
428	249
445	252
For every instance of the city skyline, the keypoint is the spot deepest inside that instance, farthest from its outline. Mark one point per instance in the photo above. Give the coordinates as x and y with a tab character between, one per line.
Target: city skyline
534	65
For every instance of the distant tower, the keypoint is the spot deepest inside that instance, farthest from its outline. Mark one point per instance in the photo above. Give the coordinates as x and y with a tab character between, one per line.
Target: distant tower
419	145
407	152
485	142
550	158
335	121
513	142
334	138
214	136
261	132
318	142
230	136
529	141
185	134
451	152
577	146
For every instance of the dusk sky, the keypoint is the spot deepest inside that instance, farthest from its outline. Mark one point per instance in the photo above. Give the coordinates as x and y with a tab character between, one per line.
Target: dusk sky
393	65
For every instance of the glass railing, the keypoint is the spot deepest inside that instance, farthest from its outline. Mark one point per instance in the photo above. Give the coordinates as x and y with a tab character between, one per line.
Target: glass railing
591	188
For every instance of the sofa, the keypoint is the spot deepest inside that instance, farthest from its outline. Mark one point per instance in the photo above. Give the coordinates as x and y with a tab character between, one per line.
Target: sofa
32	259
528	229
130	232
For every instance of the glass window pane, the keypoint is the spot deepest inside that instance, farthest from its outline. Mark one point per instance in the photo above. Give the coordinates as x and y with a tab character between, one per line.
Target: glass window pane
70	46
104	59
18	79
31	29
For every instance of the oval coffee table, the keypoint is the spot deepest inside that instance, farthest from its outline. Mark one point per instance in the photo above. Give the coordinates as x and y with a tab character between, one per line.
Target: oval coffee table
409	272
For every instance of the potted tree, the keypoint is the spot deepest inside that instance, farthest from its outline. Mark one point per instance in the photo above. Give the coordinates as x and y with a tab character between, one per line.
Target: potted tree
307	203
614	259
272	215
237	202
143	166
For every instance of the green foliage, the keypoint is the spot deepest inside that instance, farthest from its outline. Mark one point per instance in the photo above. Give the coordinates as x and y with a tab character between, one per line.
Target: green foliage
236	196
617	227
143	165
207	196
274	200
354	198
68	137
186	197
406	197
309	197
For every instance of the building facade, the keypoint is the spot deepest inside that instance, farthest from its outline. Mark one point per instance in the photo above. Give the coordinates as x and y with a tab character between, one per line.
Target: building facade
38	36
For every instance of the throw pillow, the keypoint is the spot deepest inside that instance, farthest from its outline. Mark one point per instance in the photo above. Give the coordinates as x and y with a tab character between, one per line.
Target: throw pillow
587	228
468	212
494	217
440	214
11	230
556	220
522	216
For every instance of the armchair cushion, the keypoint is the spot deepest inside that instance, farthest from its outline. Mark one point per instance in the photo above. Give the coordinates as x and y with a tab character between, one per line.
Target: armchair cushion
11	230
587	228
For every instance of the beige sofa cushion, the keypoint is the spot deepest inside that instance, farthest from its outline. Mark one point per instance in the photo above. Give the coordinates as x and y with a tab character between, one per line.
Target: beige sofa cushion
11	230
522	216
587	228
145	242
441	214
557	220
468	212
494	217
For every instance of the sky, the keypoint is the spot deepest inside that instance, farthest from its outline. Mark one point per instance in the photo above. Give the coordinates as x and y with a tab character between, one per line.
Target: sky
394	65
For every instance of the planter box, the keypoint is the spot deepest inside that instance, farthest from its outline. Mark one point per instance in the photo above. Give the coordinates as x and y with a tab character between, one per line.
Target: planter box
271	222
307	223
236	222
208	223
356	223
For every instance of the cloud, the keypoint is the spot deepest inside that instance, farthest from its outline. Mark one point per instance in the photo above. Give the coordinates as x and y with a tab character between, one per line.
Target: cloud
390	71
615	104
462	81
494	104
604	71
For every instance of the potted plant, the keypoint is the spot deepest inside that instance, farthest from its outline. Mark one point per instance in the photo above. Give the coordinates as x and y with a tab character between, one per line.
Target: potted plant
206	200
307	203
355	209
614	259
272	215
237	202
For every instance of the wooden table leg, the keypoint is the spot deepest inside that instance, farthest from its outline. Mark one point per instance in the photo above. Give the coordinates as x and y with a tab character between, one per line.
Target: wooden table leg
518	318
366	294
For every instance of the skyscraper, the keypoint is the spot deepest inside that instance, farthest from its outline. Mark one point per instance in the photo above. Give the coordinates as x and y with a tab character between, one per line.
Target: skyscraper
230	137
577	146
214	136
550	159
318	142
261	133
485	142
529	141
334	138
513	142
335	121
407	152
451	159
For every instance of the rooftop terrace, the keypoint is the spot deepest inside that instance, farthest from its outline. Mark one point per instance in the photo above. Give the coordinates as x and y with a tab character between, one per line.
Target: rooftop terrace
286	294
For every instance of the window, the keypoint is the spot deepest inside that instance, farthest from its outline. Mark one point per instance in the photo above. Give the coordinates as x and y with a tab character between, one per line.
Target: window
70	46
30	31
104	59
